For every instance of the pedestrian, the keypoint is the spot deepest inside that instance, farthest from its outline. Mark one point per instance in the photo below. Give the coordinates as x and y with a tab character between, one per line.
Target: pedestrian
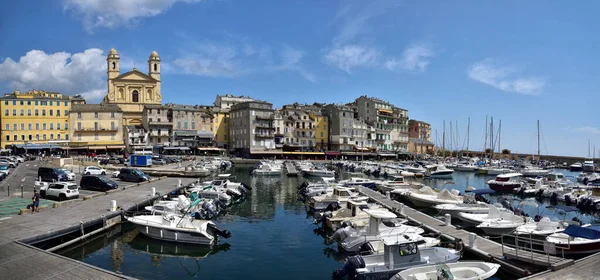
35	201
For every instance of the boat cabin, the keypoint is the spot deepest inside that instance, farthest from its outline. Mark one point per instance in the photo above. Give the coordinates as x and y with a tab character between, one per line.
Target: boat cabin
399	251
509	177
342	192
397	179
356	205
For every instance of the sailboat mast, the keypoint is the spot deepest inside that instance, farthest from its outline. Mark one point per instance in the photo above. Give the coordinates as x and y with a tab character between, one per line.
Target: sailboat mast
486	135
492	137
499	136
468	134
444	140
538	125
451	138
457	138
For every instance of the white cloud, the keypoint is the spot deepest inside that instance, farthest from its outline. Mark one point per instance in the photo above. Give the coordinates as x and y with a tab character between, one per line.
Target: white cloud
114	13
233	59
78	73
350	56
353	20
503	78
415	58
588	129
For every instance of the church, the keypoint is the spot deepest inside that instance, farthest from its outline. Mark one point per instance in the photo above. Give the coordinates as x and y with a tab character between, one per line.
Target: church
134	89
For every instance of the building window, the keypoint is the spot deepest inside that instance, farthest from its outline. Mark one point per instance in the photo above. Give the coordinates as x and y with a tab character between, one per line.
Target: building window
44	126
66	136
57	126
29	112
30	137
22	112
37	136
29	126
37	112
66	126
96	136
78	125
14	112
66	113
36	103
6	112
185	125
51	113
79	115
112	125
44	136
14	137
96	125
51	136
178	125
22	126
58	113
66	103
135	96
43	112
50	103
14	126
112	115
96	115
37	126
15	103
79	136
58	135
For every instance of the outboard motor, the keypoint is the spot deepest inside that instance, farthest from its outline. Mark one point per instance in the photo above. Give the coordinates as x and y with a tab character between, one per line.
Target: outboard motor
221	233
332	206
554	198
568	200
209	208
575	219
303	186
246	186
537	218
349	269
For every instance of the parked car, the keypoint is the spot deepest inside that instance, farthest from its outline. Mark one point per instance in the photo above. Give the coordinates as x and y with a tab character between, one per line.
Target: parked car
116	160
10	164
103	161
116	174
132	175
93	170
49	174
92	155
96	183
100	157
61	191
19	159
70	174
4	170
158	161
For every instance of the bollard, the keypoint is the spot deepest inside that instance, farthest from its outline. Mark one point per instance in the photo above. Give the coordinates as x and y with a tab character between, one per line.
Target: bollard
401	208
153	191
179	183
113	205
448	219
388	195
21	191
40	179
472	239
8	190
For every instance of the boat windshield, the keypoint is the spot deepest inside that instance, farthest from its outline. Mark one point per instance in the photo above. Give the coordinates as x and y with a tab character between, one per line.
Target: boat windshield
443	272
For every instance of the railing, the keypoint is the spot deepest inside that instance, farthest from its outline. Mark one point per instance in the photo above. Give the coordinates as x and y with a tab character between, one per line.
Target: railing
264	135
162	133
266	126
160	123
528	251
95	129
269	117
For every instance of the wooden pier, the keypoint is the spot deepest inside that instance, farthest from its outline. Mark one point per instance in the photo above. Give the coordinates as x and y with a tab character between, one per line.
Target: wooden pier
291	169
584	268
21	261
484	248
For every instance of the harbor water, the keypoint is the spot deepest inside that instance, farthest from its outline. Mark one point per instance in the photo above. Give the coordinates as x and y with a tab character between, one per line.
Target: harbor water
273	237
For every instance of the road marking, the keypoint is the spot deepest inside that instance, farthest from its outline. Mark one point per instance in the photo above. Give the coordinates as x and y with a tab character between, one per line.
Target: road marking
5	218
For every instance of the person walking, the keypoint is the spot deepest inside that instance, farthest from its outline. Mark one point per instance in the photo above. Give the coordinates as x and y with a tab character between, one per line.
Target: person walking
35	201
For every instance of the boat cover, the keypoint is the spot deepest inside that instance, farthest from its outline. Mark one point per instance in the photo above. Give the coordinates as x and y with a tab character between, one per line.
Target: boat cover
565	208
591	232
482	191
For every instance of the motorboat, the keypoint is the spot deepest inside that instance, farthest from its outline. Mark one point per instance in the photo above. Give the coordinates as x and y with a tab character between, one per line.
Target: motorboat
588	166
469	205
211	192
467	167
319	172
355	240
169	206
576	240
492	171
576	167
357	181
506	182
534	171
396	182
416	169
352	211
179	227
439	171
494	212
400	252
455	271
502	226
541	229
313	189
427	197
267	169
339	196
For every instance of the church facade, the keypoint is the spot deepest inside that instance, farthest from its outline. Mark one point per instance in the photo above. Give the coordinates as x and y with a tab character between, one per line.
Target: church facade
132	90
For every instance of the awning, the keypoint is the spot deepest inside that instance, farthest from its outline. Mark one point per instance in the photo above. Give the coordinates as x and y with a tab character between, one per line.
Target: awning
386	155
386	111
115	147
36	146
184	148
276	152
185	133
103	147
210	149
171	148
303	153
332	153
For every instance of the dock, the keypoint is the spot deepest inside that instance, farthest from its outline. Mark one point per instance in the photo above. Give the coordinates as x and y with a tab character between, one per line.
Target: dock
19	260
486	249
291	169
584	268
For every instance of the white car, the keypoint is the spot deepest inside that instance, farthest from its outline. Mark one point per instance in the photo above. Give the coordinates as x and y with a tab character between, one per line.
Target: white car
116	174
93	170
60	190
70	174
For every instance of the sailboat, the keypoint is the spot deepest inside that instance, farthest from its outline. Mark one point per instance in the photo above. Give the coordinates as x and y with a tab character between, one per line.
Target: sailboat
532	171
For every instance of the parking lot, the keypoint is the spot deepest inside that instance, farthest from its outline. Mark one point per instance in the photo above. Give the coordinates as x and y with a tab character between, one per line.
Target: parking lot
21	180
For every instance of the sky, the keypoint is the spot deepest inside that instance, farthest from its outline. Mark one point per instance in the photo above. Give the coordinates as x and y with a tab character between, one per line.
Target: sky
443	61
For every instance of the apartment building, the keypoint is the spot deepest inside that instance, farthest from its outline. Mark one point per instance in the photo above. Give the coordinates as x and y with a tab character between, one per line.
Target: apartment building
96	127
341	119
252	127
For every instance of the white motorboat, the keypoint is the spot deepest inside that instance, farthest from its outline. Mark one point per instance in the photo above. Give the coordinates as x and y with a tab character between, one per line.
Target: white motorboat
351	211
588	166
541	229
576	240
496	170
339	196
416	169
319	172
267	169
469	205
456	271
357	181
534	172
506	182
427	197
467	167
497	227
494	212
396	182
400	252
576	167
439	171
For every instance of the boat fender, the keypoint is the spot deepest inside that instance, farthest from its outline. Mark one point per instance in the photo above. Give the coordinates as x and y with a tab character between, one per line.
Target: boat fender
537	218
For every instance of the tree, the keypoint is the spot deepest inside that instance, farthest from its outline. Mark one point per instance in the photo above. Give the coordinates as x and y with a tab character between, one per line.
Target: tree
506	152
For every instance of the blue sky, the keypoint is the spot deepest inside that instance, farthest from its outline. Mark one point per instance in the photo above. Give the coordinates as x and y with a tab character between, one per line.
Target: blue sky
518	61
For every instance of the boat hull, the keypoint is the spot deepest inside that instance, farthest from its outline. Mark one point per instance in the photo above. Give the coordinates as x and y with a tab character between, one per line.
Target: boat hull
506	187
175	236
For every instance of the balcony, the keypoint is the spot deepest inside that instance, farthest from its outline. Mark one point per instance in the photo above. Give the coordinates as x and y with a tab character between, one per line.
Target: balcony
265	126
96	129
161	134
160	123
268	117
264	135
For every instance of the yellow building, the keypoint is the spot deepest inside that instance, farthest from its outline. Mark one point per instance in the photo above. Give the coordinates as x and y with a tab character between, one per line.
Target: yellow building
96	127
321	131
35	117
134	89
220	122
420	146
